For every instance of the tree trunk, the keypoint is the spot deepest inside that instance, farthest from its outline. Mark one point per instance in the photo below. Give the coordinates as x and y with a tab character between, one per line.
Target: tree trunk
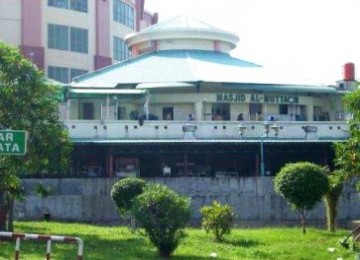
302	215
331	202
331	213
10	225
3	210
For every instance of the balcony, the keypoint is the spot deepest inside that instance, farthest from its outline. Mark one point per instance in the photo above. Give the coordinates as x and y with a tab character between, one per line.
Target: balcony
204	130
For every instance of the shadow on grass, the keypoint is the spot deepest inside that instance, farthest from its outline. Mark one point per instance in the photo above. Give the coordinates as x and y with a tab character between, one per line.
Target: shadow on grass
191	257
241	242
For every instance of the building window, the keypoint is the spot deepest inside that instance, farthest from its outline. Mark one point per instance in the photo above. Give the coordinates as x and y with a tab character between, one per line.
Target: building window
283	109
124	13
76	73
64	75
88	111
58	37
121	50
76	5
59	73
79	40
79	5
59	3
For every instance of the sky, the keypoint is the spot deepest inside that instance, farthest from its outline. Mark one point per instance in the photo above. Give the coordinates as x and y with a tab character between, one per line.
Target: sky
309	39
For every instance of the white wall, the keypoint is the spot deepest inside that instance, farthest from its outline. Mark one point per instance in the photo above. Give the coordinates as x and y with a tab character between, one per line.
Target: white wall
10	21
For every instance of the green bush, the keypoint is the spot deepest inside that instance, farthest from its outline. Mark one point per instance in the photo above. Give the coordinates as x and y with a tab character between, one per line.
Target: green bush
302	184
124	191
163	214
218	219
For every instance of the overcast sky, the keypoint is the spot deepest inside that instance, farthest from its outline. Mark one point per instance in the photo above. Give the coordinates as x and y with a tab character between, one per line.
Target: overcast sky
310	39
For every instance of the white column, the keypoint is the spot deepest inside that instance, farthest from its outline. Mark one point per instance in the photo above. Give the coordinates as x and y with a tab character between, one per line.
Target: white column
199	111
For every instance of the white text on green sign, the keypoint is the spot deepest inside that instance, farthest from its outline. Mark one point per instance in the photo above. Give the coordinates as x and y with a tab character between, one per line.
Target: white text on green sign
13	142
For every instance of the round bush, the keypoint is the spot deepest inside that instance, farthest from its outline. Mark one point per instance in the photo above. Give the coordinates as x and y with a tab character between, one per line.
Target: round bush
124	191
163	214
302	184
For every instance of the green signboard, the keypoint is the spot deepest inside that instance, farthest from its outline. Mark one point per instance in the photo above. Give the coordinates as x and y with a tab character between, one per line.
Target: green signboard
13	142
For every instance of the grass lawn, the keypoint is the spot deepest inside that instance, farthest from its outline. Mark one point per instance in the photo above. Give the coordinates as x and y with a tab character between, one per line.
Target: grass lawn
120	243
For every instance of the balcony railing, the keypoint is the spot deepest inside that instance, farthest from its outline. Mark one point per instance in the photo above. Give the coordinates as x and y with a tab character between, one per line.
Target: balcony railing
132	130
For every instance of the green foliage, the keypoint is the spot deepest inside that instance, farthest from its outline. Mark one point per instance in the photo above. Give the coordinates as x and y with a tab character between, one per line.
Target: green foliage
218	219
163	214
42	191
302	184
28	102
347	156
124	192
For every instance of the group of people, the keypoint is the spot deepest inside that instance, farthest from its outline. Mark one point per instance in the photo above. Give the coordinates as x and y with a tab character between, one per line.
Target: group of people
219	117
240	117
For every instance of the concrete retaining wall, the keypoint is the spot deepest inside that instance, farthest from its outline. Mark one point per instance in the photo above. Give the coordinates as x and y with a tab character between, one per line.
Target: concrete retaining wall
253	198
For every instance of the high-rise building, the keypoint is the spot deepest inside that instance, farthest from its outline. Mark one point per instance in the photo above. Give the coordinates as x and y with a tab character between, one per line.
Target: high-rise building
67	38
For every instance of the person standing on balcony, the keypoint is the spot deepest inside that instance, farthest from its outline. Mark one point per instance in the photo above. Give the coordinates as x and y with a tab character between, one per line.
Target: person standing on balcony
240	117
168	116
259	116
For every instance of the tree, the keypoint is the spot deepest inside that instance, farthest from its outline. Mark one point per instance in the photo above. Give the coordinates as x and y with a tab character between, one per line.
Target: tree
347	156
302	184
163	214
29	102
332	196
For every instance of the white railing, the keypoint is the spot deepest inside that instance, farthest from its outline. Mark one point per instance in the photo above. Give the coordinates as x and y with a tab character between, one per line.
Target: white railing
48	238
114	129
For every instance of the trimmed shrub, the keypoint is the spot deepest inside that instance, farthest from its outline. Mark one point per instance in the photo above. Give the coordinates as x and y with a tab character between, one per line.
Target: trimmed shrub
163	214
218	219
302	184
124	192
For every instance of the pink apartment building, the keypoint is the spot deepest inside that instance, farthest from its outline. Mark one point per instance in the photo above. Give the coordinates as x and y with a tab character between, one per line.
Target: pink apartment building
67	38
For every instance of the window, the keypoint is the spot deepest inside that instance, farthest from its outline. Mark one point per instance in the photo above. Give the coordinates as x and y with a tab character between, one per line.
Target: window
79	5
283	109
220	111
59	3
58	37
79	40
87	111
123	13
121	51
76	5
64	75
59	73
121	113
76	72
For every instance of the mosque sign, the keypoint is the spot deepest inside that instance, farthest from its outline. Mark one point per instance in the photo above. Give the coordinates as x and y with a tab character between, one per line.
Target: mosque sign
256	98
13	142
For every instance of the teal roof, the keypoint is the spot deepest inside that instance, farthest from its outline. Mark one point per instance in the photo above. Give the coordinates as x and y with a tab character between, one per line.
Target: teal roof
193	66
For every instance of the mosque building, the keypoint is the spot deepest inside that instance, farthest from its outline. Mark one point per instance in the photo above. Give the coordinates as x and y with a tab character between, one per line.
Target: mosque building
183	106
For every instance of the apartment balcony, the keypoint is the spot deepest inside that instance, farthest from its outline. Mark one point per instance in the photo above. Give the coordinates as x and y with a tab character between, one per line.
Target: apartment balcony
158	130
